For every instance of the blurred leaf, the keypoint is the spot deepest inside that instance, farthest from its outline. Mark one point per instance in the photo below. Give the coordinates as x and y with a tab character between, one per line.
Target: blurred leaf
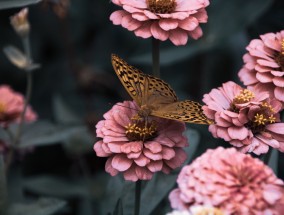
4	4
55	186
3	187
63	113
241	14
43	206
4	135
118	208
273	161
43	133
19	59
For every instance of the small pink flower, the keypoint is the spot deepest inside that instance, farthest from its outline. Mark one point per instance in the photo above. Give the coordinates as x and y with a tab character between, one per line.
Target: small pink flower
231	181
11	107
137	148
248	119
175	20
264	64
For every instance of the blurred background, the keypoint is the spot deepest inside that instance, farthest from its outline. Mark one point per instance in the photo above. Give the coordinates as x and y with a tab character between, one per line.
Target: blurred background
73	40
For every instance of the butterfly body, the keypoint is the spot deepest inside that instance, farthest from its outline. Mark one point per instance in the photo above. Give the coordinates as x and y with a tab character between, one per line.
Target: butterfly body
155	97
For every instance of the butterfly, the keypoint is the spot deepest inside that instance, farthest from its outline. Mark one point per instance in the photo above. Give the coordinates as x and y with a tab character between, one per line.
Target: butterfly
155	97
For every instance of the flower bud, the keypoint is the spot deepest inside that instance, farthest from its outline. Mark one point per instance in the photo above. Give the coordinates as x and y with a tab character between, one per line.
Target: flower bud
20	22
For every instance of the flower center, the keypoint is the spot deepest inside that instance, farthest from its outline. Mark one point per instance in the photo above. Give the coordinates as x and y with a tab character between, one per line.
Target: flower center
2	108
265	116
161	6
209	211
280	56
244	96
140	130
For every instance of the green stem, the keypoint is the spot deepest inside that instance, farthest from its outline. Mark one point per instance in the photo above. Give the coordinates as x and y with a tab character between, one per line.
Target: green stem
267	156
137	197
27	48
156	57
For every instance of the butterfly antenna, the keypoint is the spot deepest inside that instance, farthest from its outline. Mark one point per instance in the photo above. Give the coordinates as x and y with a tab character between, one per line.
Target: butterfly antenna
124	106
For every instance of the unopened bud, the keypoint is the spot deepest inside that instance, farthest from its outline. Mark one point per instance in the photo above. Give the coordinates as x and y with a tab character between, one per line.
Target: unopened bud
20	22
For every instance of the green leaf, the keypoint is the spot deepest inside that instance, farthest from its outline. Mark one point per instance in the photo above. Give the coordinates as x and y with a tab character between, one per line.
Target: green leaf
5	4
118	208
55	186
43	206
43	133
241	13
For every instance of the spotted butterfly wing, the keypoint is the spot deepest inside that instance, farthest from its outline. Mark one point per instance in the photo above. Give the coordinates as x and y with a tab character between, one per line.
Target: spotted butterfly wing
157	94
144	89
185	111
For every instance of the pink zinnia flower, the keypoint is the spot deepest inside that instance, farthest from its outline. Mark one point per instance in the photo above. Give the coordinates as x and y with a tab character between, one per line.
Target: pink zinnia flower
175	20
231	181
248	119
264	64
11	107
137	148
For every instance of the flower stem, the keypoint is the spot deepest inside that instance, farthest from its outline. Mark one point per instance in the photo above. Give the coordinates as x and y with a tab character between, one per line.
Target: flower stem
15	141
3	187
156	57
137	197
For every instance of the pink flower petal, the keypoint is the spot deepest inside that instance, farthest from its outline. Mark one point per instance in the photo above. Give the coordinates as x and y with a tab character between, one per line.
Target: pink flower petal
189	23
178	37
144	31
279	93
143	173
177	161
155	166
158	32
239	133
110	169
116	17
130	174
142	161
121	162
168	24
99	150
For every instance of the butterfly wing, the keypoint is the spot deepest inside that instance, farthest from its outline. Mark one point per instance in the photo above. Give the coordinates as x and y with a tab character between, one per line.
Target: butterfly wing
144	89
185	111
132	79
159	93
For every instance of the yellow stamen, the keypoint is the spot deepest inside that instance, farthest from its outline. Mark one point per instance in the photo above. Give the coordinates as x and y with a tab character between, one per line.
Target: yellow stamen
260	119
271	119
244	96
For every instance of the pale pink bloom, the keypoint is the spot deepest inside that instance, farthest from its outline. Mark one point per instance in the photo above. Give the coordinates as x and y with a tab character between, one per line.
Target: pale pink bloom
264	64
138	156
231	181
11	107
247	119
175	20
